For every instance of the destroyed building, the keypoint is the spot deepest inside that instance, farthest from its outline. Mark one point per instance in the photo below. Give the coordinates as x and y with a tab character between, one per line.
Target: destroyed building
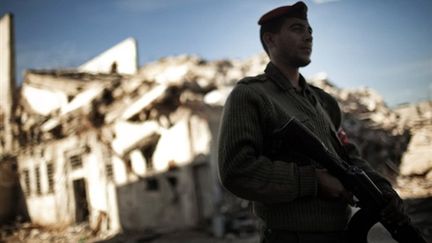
121	151
124	150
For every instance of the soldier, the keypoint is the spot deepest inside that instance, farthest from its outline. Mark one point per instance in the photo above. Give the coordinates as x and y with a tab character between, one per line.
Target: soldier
296	199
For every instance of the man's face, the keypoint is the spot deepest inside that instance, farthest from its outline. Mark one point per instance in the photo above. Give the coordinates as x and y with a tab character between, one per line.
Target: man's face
293	43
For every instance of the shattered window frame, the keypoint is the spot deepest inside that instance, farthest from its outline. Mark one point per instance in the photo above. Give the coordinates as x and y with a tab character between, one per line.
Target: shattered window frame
26	182
75	160
38	180
50	170
109	171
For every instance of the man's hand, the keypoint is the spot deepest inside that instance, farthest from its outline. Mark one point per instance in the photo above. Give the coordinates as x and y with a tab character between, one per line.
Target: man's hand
329	187
394	212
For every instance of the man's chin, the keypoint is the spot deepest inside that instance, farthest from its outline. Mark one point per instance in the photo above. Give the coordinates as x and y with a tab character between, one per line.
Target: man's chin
303	63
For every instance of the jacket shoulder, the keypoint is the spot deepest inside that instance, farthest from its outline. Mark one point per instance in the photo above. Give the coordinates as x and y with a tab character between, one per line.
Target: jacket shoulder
255	79
324	96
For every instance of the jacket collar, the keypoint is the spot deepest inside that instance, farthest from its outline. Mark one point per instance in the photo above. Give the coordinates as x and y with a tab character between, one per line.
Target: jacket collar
285	84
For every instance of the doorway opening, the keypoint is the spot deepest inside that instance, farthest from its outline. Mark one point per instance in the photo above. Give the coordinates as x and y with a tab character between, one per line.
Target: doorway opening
81	204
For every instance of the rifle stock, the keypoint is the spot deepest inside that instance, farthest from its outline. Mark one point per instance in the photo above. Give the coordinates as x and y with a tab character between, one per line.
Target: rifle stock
370	198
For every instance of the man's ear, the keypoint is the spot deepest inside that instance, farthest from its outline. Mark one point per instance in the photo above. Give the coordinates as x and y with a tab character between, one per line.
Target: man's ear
269	39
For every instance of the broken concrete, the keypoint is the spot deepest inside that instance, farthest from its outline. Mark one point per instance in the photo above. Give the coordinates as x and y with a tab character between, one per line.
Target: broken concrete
121	58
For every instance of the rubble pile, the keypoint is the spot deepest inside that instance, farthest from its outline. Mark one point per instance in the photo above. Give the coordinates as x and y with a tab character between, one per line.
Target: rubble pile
397	142
371	125
27	232
415	116
205	73
94	99
416	165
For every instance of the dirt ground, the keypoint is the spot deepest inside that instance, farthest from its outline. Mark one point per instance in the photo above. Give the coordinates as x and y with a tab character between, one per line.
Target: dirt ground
419	210
81	234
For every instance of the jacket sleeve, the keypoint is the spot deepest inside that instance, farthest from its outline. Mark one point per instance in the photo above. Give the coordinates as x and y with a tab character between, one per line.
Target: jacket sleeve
243	168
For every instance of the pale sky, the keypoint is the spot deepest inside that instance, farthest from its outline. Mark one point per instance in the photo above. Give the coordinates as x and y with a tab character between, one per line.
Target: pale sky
385	45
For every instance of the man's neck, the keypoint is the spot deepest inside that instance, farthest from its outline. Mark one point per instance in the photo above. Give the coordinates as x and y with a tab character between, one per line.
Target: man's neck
291	73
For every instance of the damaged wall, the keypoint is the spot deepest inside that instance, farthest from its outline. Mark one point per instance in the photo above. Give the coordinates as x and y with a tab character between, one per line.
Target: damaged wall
143	150
172	182
7	82
121	58
9	187
51	174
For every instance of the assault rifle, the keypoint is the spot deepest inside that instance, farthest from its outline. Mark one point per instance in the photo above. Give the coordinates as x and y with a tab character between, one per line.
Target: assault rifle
369	197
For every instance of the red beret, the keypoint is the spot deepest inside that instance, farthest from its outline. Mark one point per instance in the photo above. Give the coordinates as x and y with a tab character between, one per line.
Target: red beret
297	10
